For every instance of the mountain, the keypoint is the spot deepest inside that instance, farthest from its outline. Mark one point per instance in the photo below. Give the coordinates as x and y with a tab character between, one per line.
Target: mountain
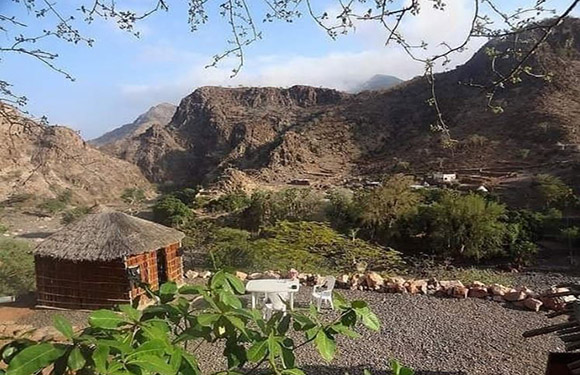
378	82
45	160
273	135
116	140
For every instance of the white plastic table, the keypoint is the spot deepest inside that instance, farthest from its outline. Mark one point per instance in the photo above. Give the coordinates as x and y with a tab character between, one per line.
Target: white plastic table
272	286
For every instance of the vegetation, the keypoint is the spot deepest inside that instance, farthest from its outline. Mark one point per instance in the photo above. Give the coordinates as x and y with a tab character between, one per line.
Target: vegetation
53	206
72	215
229	202
308	246
469	275
16	267
3	228
553	192
171	211
133	196
159	339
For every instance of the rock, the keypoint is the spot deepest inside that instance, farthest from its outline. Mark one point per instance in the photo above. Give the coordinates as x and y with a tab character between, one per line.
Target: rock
205	274
191	274
270	275
478	292
342	281
498	298
356	280
302	277
241	275
529	293
255	276
514	296
374	280
478	284
498	290
292	274
454	288
416	286
556	303
533	304
395	280
392	287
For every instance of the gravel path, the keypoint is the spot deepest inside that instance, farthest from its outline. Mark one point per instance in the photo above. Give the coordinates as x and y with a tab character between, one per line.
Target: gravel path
432	335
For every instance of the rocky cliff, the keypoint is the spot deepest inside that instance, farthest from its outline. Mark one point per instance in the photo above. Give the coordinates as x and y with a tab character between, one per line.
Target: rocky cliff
274	135
45	160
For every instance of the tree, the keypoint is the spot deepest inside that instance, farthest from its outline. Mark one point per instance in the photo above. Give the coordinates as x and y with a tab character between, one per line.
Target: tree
382	206
553	192
162	338
170	211
17	267
520	27
467	226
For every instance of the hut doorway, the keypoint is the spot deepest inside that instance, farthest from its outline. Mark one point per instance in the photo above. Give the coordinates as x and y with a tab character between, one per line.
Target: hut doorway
161	266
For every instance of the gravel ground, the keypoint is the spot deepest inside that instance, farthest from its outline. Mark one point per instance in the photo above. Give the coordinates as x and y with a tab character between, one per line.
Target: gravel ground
432	335
540	281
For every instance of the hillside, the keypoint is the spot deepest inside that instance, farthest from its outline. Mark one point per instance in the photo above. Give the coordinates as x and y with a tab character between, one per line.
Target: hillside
273	135
45	160
117	141
378	82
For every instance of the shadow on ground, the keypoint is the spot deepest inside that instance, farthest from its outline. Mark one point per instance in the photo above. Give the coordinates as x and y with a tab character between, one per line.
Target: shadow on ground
359	370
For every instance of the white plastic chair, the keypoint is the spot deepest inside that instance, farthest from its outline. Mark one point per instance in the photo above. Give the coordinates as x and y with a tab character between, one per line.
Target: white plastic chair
274	302
323	292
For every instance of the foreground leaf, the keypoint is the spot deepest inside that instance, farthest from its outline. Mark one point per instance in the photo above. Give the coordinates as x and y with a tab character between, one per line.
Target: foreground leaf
34	358
105	319
63	326
326	345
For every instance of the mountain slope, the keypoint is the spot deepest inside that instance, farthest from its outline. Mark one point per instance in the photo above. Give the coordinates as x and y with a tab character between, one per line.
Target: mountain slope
275	135
116	140
45	160
378	82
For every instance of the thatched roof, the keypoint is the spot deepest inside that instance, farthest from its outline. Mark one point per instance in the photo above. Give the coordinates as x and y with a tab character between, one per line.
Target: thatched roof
106	236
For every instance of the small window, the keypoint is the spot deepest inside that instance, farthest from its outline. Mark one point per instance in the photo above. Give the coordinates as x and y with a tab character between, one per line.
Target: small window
134	273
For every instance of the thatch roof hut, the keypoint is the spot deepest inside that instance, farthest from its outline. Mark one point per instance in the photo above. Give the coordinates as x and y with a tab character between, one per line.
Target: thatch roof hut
97	261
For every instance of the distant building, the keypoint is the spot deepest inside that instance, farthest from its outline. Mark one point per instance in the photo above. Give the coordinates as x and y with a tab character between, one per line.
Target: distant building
482	189
444	177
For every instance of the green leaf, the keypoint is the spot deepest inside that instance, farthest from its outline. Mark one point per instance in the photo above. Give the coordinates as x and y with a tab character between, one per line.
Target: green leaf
344	330
236	283
76	360
257	351
153	363
326	345
153	347
366	372
131	312
106	319
217	280
284	325
63	326
34	358
207	320
274	348
230	299
191	289
302	322
168	290
238	323
288	358
100	357
371	321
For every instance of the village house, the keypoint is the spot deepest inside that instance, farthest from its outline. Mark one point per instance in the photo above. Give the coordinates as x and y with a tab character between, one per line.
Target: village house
444	177
100	260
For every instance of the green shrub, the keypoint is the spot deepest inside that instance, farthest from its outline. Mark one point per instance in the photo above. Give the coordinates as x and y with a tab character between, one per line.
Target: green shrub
16	267
230	202
341	210
169	210
522	253
161	339
3	228
308	246
51	206
187	196
294	204
133	196
72	215
553	192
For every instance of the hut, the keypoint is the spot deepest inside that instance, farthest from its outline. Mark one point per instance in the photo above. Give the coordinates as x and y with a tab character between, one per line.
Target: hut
98	261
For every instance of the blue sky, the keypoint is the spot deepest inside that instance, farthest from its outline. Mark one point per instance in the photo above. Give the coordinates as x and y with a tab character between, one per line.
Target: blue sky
122	76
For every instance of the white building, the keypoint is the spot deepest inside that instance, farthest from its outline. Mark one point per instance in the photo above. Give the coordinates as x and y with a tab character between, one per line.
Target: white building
444	177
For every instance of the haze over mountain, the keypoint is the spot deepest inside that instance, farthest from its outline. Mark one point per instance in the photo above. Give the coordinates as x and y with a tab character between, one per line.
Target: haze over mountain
46	160
115	141
378	82
272	135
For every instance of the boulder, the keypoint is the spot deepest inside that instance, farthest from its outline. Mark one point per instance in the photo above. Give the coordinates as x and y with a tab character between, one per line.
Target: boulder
478	284
478	292
191	274
271	275
416	286
454	288
205	274
498	298
529	293
556	303
374	280
515	296
255	276
533	304
241	275
356	280
391	287
395	280
498	290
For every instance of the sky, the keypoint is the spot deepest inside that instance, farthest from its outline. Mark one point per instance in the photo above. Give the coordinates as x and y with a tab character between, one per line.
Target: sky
121	76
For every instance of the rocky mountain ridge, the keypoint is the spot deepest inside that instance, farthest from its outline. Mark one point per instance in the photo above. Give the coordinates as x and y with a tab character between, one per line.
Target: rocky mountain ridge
273	136
46	160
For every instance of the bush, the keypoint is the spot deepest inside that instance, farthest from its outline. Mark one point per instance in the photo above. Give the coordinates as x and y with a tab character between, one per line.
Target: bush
187	196
133	196
230	202
53	206
553	192
341	210
295	204
466	226
156	339
74	214
170	211
308	246
522	253
3	228
16	267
